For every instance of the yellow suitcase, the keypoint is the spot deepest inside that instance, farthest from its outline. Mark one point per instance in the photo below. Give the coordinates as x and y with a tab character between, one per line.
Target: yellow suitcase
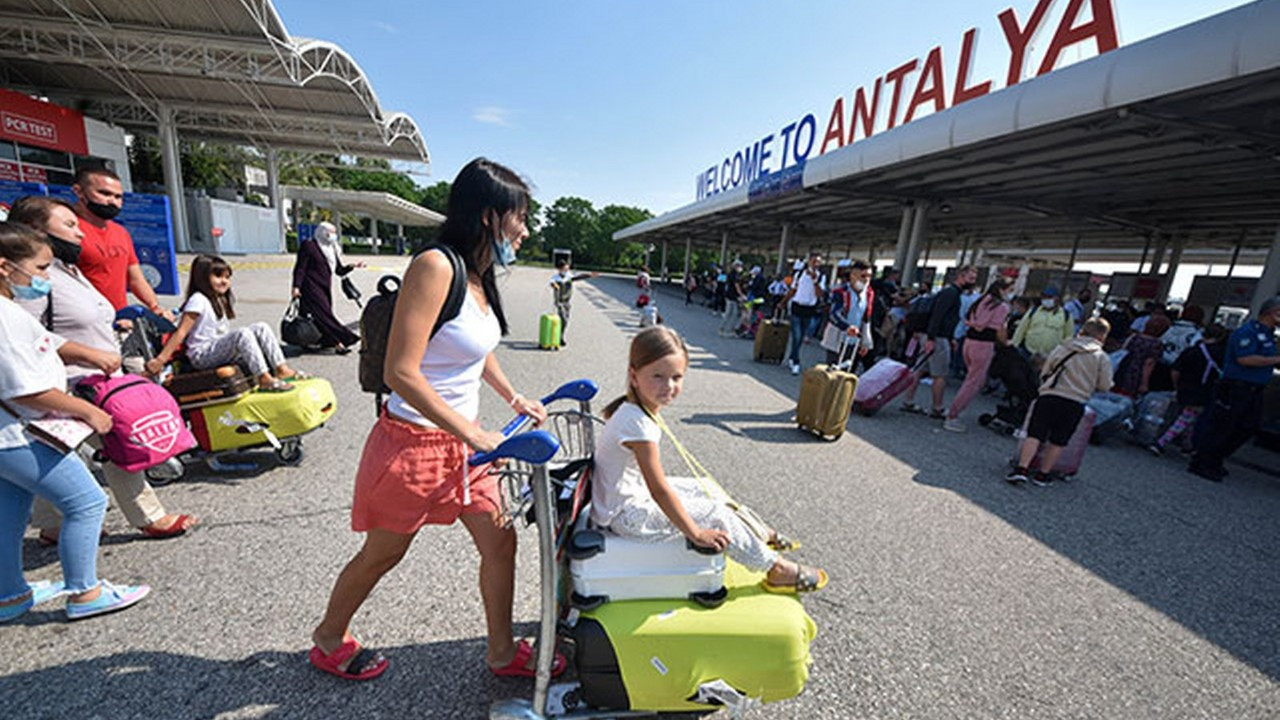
248	420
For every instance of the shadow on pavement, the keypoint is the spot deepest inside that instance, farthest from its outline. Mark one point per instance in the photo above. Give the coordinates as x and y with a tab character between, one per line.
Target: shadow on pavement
442	679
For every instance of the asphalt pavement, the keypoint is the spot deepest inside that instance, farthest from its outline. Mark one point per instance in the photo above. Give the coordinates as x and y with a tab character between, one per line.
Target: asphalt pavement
1137	591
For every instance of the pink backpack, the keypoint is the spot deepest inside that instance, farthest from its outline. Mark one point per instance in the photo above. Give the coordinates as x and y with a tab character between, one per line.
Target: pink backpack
148	429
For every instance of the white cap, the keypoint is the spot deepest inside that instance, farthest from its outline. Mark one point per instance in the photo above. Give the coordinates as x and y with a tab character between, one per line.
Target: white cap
846	262
798	266
755	269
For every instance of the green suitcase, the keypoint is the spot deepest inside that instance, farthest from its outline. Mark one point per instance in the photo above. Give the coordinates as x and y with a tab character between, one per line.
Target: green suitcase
549	332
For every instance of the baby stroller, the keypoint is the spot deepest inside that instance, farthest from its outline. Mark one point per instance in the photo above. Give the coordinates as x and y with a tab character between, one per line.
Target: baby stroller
1021	387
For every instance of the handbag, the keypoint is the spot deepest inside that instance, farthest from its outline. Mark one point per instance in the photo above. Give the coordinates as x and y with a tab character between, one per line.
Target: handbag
352	292
63	434
298	328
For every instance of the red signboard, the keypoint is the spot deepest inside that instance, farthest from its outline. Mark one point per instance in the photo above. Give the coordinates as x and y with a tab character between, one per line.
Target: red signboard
9	170
33	122
34	173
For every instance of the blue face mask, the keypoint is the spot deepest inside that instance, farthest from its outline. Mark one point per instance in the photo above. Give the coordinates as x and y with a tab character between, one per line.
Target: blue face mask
504	251
38	288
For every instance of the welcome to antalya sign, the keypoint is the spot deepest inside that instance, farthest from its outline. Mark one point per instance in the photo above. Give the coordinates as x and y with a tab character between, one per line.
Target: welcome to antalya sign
898	96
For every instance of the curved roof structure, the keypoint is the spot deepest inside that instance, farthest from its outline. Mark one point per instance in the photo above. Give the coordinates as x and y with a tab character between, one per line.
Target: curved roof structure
1178	134
380	205
227	69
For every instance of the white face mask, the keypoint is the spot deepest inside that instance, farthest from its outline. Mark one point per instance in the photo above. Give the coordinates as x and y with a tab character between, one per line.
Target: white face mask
1047	303
859	285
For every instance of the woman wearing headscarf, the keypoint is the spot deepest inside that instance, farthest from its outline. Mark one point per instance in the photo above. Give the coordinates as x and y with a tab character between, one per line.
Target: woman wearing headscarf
318	259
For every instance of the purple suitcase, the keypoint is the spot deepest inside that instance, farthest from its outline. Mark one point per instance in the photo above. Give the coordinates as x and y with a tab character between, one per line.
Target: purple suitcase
1072	455
880	384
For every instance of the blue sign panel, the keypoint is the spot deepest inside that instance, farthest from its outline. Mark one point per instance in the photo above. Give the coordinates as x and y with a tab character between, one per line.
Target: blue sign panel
147	219
306	231
782	182
11	190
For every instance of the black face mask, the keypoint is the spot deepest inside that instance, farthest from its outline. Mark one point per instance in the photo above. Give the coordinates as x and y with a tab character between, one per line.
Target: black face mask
102	210
67	252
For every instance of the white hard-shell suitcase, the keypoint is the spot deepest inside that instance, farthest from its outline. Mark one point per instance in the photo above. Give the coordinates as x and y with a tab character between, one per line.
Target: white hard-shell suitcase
605	567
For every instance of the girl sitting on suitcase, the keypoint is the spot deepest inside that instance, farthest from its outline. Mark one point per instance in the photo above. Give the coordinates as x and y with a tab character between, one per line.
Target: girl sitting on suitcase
633	497
210	342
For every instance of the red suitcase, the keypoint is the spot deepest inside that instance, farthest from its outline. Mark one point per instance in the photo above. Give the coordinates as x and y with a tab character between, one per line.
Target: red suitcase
880	384
1072	455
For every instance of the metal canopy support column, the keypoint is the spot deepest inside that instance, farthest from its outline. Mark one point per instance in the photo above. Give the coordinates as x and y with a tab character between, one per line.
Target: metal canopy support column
1158	258
664	274
919	229
1146	248
1175	258
688	257
724	246
273	191
171	161
1269	284
1235	254
904	241
964	253
782	249
1071	263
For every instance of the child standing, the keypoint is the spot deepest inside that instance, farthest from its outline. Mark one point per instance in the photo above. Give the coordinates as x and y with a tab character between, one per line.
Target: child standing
1072	372
562	291
206	327
633	497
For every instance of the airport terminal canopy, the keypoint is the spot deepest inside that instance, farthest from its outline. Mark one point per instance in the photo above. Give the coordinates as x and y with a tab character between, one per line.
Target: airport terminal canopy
219	70
380	205
1176	136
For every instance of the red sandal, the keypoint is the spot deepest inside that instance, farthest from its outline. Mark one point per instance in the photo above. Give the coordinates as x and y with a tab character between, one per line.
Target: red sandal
519	665
370	663
179	526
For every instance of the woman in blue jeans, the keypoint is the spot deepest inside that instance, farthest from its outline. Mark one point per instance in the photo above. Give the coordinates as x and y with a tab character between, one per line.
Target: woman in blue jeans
32	378
803	300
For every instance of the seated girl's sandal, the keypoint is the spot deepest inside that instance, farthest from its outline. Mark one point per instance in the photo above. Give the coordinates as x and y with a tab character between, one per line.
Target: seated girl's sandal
807	580
298	375
782	543
519	665
365	664
276	386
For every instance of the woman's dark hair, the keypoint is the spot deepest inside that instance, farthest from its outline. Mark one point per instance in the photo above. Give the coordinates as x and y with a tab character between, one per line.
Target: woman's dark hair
19	242
483	190
203	268
34	210
994	294
649	345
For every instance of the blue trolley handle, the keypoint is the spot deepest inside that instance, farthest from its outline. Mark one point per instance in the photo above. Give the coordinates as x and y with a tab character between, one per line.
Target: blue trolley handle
532	451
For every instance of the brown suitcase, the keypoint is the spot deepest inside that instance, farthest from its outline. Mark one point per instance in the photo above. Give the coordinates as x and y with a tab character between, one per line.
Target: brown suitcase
826	399
771	341
203	387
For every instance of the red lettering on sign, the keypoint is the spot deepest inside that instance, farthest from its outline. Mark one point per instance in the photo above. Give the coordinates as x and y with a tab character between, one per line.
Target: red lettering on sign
1101	28
864	113
8	170
1020	38
964	93
835	127
31	173
895	76
932	75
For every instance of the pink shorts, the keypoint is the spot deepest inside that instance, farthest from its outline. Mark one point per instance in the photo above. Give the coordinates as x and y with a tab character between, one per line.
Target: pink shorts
412	476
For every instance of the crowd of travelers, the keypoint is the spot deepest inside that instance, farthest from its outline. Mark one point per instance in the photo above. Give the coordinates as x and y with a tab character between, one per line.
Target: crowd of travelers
1079	351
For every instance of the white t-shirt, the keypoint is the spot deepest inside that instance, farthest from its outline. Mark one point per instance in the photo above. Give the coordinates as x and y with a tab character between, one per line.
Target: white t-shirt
454	362
209	327
617	481
29	364
806	289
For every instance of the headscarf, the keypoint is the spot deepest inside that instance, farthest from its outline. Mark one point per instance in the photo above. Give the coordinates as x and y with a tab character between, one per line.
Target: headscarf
326	236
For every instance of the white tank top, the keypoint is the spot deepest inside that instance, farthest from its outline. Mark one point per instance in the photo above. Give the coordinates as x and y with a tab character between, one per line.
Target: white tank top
454	362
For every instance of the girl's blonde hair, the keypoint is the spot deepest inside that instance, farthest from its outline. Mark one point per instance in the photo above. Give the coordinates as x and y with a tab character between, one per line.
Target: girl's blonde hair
650	345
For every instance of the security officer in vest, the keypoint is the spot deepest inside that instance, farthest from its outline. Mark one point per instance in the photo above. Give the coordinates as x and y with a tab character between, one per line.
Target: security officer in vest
1236	412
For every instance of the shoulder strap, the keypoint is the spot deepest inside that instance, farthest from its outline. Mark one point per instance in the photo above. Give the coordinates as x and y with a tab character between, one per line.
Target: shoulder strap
457	286
1209	365
871	301
46	317
1056	372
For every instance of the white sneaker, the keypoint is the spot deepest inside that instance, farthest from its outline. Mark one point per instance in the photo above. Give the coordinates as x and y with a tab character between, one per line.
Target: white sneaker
795	368
953	425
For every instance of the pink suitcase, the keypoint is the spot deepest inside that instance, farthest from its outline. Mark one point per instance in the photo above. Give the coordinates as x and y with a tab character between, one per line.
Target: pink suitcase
1069	461
881	383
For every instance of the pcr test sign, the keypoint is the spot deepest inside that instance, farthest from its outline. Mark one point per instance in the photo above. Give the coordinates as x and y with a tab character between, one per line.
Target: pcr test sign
920	86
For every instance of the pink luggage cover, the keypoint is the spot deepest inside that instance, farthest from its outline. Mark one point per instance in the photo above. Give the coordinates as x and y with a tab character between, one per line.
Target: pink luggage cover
1073	454
148	428
881	383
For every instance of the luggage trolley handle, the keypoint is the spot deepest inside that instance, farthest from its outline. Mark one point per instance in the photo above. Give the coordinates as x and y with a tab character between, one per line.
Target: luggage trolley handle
580	390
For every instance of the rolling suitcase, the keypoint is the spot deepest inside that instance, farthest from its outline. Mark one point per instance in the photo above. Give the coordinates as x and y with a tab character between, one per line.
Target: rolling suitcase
1115	412
204	387
771	341
549	331
1072	455
675	655
826	399
1150	417
881	383
604	568
258	417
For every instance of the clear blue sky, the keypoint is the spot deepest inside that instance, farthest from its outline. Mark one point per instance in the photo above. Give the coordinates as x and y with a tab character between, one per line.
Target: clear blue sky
626	101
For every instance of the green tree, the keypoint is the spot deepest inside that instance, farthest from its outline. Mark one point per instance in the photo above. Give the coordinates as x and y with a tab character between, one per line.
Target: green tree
612	219
571	223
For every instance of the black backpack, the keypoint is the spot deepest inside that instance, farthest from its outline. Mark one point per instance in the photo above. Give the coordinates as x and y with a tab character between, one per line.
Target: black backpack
918	314
375	321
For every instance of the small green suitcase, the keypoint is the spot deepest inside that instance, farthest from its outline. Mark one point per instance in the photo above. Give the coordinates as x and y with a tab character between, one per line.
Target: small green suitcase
549	331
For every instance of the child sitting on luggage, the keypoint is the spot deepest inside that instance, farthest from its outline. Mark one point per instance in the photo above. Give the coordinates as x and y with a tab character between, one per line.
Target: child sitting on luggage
1073	371
1195	374
632	496
205	326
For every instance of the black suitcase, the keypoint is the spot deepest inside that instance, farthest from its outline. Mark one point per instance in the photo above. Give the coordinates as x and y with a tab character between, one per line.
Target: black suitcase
204	387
